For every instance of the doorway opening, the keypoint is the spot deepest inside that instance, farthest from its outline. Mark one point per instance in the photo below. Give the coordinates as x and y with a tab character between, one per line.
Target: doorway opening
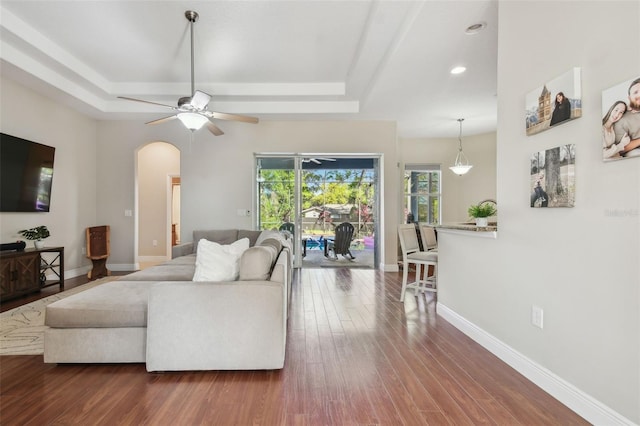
157	202
311	195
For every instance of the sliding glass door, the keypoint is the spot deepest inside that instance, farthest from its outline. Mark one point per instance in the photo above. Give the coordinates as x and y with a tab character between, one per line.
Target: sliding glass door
310	196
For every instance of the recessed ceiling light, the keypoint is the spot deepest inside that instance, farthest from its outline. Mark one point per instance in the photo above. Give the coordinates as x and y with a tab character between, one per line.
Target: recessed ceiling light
475	28
458	70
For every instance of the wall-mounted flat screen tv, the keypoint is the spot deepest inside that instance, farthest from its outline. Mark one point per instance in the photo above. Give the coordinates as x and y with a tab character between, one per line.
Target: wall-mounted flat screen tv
26	175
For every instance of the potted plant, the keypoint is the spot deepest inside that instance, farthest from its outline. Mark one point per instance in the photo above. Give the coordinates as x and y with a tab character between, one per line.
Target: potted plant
36	235
481	212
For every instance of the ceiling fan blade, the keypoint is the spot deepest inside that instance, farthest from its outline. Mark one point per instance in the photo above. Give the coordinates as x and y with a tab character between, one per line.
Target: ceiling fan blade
200	100
234	117
315	161
146	102
162	120
214	129
326	159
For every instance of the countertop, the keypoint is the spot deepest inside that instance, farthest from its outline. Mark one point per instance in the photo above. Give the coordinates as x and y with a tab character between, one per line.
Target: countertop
468	226
469	229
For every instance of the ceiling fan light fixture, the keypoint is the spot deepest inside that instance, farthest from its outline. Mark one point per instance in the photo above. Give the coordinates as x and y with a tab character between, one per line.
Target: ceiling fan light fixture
192	121
192	110
461	166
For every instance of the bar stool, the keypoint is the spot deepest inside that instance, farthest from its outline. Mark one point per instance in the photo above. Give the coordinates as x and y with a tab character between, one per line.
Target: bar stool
411	254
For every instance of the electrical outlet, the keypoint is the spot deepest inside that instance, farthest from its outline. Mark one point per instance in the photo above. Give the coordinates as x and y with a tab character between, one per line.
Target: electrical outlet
84	250
537	316
155	243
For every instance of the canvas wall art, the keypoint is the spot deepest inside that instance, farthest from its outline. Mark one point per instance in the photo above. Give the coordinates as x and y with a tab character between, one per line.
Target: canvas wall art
556	102
553	182
621	121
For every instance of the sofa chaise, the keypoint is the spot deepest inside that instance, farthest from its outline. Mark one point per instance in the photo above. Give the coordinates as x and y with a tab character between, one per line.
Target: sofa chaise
162	317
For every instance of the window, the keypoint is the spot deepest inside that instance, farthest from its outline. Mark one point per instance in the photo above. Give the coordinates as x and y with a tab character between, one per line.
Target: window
422	193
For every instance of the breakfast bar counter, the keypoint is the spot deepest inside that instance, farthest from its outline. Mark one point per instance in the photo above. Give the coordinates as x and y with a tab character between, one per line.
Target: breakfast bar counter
469	229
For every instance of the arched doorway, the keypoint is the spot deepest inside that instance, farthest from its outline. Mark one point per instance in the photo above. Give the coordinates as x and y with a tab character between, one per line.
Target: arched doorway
157	202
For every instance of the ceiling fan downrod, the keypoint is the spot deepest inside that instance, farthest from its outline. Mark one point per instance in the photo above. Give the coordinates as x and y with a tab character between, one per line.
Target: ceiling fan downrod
192	17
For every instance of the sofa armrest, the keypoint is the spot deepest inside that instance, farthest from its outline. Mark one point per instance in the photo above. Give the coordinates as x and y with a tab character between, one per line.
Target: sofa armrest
182	250
238	325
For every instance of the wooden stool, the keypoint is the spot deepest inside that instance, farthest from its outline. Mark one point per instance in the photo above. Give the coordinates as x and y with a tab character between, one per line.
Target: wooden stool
98	248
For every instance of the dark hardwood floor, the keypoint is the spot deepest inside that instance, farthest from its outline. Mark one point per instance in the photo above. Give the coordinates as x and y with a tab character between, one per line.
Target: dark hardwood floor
355	355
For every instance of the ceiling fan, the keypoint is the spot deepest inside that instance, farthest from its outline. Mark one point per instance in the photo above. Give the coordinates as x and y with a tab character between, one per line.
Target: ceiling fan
192	110
317	160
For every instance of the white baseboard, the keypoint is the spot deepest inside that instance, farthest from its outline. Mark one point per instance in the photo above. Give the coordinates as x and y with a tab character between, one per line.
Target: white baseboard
153	258
83	270
586	406
123	267
71	273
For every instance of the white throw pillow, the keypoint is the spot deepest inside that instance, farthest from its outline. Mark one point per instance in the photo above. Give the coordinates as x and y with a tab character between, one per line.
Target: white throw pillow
217	262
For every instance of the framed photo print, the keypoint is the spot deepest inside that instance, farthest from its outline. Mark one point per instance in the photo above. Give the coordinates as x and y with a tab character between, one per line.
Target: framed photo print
621	121
556	102
553	182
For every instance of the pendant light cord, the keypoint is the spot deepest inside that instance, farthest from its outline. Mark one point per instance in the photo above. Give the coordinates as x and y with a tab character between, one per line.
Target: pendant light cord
460	120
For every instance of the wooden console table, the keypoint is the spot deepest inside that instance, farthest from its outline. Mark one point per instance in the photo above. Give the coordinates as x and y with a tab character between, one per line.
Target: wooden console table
25	271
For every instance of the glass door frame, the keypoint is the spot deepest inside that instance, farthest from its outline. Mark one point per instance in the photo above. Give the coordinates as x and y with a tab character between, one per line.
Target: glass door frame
297	214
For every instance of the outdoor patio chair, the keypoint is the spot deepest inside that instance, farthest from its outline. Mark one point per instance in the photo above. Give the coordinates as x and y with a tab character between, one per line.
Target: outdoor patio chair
342	241
290	227
287	226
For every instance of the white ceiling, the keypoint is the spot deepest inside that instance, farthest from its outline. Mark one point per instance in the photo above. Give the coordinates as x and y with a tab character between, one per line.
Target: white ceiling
294	60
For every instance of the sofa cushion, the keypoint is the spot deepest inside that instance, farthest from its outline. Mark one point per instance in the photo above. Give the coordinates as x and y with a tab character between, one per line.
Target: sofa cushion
220	236
218	262
270	233
189	259
272	242
251	235
165	272
256	263
112	304
277	235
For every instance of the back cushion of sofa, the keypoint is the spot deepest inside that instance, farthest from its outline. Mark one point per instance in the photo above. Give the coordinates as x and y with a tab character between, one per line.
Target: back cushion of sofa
256	263
278	235
276	244
251	235
220	236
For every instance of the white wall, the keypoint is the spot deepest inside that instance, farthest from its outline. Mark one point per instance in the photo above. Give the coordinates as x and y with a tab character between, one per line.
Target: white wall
458	192
579	264
30	116
118	142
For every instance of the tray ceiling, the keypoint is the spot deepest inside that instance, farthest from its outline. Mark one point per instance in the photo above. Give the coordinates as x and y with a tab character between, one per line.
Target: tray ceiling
291	60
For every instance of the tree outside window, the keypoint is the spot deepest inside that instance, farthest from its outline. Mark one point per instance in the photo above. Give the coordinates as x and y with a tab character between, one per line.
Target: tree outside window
422	193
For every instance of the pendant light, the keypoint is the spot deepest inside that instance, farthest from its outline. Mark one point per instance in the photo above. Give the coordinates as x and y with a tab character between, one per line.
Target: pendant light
461	165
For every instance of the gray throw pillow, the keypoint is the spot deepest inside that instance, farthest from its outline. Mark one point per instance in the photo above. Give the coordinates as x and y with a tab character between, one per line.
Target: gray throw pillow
256	263
277	244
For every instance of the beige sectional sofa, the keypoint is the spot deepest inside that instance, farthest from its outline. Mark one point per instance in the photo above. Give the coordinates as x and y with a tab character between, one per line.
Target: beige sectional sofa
161	317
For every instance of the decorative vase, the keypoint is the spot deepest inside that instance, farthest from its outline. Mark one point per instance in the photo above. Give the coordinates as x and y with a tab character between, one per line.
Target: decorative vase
38	243
482	221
